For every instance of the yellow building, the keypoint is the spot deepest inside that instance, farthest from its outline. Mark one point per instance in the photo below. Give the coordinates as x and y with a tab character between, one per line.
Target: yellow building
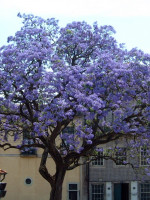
24	181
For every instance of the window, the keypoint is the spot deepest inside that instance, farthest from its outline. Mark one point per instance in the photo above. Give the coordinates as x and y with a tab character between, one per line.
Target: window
144	156
69	131
97	191
27	151
121	156
28	181
99	161
73	192
145	191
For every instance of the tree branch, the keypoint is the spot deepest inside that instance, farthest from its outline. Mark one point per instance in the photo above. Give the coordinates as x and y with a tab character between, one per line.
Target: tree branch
43	170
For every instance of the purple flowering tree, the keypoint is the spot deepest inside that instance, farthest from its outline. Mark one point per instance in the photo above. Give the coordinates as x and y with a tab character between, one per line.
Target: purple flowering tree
79	76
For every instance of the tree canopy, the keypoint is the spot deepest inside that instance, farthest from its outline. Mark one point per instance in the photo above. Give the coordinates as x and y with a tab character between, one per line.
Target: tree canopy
50	76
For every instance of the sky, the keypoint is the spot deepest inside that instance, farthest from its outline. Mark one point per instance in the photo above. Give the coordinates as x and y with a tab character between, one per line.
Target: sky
130	18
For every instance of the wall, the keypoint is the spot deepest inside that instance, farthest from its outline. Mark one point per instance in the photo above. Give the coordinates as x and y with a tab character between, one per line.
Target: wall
19	168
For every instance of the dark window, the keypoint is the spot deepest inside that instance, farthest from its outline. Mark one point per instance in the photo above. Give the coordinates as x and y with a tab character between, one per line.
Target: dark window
144	156
121	156
28	141
97	192
73	191
29	151
145	191
99	161
73	187
69	131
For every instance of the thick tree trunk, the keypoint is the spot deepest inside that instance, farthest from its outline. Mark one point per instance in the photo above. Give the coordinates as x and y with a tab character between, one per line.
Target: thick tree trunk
56	188
56	193
56	180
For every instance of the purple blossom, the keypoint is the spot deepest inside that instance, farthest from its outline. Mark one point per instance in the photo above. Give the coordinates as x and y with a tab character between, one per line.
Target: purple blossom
89	142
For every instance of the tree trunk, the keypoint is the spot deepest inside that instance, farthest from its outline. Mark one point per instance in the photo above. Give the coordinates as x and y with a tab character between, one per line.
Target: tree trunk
56	180
56	188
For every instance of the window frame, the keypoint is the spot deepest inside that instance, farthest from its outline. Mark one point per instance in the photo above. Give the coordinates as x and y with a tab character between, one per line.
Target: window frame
32	151
142	159
96	193
144	192
95	163
75	183
121	156
63	143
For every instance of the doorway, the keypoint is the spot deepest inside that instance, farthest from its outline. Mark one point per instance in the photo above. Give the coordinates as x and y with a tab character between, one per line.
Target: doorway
121	191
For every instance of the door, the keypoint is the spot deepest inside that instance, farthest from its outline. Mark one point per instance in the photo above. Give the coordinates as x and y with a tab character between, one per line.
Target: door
121	191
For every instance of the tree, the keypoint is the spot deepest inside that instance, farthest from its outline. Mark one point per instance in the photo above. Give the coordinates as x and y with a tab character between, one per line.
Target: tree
50	76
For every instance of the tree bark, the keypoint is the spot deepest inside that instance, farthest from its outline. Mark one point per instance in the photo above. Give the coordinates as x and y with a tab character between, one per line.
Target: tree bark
56	180
56	188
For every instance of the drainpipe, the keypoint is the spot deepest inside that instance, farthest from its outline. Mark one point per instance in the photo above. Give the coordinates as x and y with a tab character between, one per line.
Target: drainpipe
88	180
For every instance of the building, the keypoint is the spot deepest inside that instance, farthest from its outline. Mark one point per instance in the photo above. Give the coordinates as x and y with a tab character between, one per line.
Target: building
24	181
106	180
99	180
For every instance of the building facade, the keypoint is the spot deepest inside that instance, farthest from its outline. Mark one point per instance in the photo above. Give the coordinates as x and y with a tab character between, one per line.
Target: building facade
107	180
99	180
24	181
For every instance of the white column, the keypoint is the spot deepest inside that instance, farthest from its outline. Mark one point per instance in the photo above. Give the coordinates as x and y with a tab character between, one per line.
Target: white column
134	190
108	191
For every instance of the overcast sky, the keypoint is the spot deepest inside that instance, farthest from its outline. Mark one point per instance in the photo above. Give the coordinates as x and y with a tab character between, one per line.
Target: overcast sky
130	18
